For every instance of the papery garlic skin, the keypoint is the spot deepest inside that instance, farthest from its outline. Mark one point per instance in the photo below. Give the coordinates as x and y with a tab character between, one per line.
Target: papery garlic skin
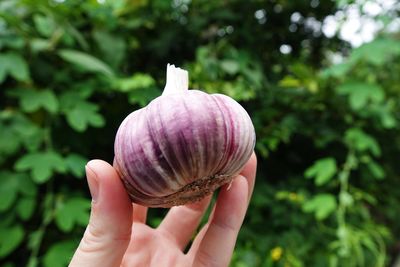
182	146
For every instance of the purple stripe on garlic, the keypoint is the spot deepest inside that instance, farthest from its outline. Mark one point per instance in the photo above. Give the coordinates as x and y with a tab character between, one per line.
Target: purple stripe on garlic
183	145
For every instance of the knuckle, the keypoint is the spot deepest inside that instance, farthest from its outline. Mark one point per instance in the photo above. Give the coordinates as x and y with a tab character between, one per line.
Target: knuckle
204	259
225	225
97	239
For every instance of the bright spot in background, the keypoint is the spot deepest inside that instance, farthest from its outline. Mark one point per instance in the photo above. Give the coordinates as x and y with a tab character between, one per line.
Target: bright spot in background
357	23
285	49
261	16
296	17
314	3
229	29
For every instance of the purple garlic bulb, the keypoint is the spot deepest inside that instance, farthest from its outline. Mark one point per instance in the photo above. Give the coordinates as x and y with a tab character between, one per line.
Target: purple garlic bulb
183	145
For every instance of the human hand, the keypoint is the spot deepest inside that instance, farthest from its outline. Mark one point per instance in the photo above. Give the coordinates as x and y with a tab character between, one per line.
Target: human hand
117	234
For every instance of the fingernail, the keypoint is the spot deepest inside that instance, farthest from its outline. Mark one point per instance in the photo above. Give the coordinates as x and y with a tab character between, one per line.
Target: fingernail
92	182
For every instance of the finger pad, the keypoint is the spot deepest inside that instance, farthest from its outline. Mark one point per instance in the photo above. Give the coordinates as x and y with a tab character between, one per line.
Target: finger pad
232	201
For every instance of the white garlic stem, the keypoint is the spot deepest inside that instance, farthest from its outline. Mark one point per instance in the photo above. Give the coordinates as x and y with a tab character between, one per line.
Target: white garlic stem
177	80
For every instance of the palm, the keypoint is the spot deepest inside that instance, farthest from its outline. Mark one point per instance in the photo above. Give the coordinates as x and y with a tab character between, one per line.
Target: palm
149	247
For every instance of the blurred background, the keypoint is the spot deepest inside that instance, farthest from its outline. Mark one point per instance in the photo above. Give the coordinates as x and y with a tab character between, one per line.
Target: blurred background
320	79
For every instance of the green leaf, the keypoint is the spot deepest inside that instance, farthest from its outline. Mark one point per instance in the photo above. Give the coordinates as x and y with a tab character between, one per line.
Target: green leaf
112	46
376	170
10	239
302	71
3	69
19	68
19	130
15	66
76	164
322	205
9	143
26	186
84	114
289	82
144	96
377	52
15	41
59	254
360	93
361	141
86	62
139	81
69	100
386	113
41	164
49	101
32	100
80	113
31	135
45	25
336	71
74	211
230	66
346	198
11	185
8	190
38	45
322	170
25	207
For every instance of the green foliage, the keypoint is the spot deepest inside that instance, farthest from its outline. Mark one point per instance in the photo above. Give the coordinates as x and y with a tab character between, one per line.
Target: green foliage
13	65
32	100
41	164
322	205
328	142
86	62
74	211
360	94
59	254
322	170
10	239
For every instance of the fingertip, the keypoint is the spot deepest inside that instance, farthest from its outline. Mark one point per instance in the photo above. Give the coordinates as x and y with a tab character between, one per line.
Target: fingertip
108	177
112	202
100	166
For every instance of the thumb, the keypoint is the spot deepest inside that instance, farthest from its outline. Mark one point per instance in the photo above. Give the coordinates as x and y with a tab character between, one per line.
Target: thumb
109	231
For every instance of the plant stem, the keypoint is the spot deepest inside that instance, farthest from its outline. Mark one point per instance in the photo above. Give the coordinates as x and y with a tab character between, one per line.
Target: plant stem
344	175
48	207
47	219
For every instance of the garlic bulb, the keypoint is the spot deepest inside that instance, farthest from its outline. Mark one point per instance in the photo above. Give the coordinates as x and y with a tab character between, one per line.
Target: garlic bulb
183	145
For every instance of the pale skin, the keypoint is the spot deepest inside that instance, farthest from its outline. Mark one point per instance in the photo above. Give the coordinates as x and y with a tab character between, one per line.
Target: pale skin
117	234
